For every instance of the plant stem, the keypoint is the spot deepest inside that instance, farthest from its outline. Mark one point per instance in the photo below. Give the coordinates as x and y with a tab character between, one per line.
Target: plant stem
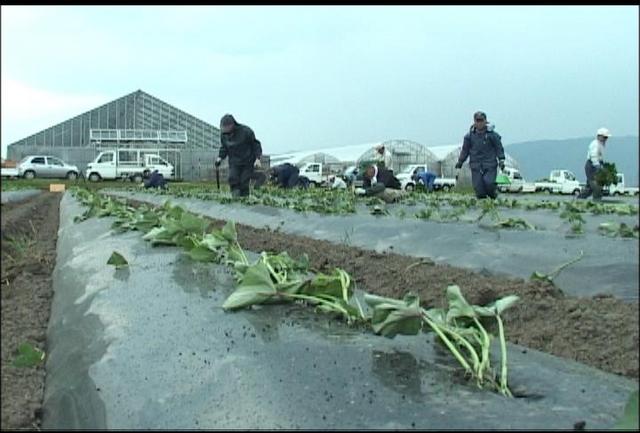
556	271
448	343
504	389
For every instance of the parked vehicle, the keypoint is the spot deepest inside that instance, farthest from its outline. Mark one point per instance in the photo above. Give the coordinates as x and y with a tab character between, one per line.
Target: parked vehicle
9	172
620	188
516	182
313	172
128	164
46	166
9	168
408	184
559	182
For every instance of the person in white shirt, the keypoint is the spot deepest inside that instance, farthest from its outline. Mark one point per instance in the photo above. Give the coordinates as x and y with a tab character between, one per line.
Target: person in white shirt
383	156
594	163
336	182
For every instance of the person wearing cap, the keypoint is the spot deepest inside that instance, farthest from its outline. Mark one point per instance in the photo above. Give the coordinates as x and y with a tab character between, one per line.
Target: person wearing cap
594	163
483	146
427	178
239	143
382	157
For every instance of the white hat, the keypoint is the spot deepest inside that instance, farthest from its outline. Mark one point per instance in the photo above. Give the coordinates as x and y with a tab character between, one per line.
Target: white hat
604	132
378	146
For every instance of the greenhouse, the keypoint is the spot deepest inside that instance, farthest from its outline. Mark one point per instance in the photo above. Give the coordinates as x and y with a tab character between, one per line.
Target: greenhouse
137	120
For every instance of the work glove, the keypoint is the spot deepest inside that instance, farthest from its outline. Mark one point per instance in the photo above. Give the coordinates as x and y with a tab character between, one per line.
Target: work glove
218	161
501	164
257	164
361	191
458	165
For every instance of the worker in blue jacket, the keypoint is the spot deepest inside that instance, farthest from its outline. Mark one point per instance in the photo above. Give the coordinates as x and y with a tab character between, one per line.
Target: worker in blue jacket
426	177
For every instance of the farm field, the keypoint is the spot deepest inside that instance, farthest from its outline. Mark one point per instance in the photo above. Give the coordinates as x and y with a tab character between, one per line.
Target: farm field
575	328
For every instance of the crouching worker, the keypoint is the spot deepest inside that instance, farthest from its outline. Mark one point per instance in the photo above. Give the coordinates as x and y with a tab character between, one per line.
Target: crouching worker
156	180
425	178
285	175
335	182
380	182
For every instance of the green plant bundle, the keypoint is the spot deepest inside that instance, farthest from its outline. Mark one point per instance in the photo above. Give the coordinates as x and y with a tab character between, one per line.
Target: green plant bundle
459	328
607	175
515	223
28	356
618	229
279	278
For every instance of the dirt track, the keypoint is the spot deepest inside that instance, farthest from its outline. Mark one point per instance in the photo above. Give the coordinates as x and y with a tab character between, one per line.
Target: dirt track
29	235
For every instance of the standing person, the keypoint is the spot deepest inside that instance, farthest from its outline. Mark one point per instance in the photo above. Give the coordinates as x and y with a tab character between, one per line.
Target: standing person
239	143
484	148
382	157
594	164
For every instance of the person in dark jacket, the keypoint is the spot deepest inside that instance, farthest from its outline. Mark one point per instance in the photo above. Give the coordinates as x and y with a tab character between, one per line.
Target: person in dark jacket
239	143
380	182
156	180
484	148
285	175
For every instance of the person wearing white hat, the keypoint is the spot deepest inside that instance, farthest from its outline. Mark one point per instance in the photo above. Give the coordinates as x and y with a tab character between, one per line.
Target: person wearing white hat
594	163
382	156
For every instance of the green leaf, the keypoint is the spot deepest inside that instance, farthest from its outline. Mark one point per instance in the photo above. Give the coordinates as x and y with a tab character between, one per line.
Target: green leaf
405	321
28	356
117	260
214	241
326	284
458	305
392	317
203	254
193	224
629	421
255	288
229	231
496	307
541	277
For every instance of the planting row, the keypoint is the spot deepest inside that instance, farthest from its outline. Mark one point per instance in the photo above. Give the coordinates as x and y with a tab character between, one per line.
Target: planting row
439	207
273	278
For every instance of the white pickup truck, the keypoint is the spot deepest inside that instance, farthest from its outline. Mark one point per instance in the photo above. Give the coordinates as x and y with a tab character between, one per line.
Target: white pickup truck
408	184
128	164
560	182
620	188
516	182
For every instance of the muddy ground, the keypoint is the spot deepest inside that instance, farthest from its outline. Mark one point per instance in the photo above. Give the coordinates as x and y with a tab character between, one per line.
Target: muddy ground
599	331
29	235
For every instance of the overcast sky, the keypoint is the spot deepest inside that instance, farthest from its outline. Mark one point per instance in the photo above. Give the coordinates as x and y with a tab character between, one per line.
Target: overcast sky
309	77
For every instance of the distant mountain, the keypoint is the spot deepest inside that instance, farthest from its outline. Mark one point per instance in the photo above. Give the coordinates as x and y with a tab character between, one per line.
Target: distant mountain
538	158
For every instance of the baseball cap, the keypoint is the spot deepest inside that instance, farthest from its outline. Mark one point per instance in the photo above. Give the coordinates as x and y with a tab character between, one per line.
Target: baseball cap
604	132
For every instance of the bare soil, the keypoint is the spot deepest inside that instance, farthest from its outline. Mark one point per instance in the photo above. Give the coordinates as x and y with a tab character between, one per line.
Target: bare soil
600	331
28	249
